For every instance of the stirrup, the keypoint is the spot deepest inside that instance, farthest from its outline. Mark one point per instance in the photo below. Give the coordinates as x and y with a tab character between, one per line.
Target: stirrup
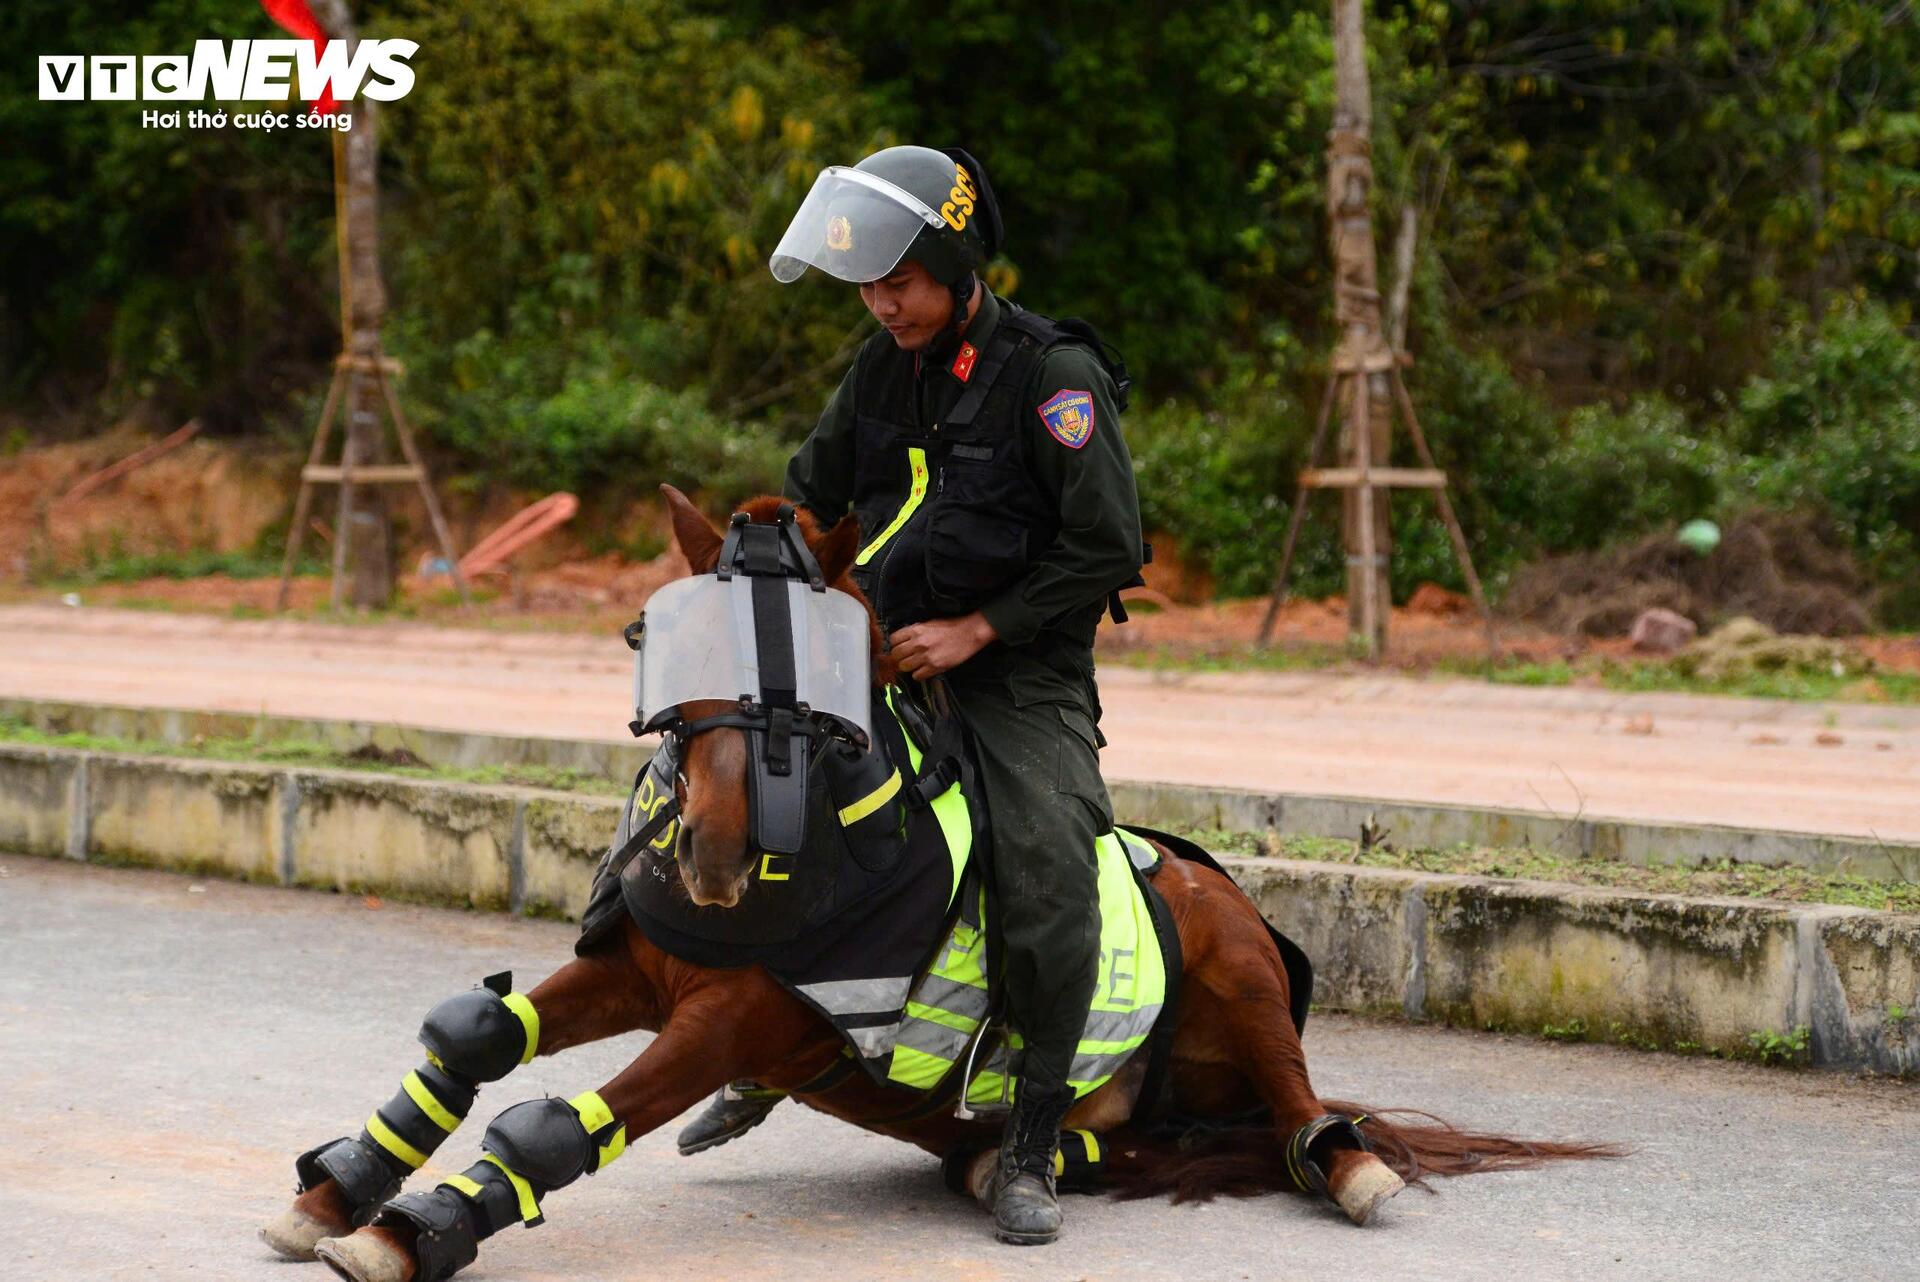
735	1092
963	1108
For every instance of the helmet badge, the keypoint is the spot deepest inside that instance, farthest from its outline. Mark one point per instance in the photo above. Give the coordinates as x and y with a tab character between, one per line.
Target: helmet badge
839	233
959	204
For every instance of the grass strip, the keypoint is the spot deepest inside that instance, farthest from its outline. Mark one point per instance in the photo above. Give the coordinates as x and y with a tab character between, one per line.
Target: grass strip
1723	877
306	752
1629	676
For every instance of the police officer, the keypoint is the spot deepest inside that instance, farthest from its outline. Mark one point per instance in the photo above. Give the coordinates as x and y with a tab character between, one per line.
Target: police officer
980	446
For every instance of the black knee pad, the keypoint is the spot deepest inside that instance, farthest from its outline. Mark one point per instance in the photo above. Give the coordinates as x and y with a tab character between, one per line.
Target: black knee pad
484	1033
543	1141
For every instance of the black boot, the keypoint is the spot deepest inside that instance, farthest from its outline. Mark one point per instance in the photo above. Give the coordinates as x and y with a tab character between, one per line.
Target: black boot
1026	1208
737	1109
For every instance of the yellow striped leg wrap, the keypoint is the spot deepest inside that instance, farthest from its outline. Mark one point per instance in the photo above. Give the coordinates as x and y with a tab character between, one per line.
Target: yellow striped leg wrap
388	1139
609	1137
529	1019
429	1106
1077	1162
503	1194
474	1187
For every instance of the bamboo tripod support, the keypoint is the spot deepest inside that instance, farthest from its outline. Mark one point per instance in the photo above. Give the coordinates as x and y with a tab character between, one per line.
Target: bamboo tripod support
1348	387
350	473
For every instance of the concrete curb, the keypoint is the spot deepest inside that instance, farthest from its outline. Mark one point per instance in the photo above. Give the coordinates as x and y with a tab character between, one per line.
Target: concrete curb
484	847
1283	814
1651	970
1436	827
1662	971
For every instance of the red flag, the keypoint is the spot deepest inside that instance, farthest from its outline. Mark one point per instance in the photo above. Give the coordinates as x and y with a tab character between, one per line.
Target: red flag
294	16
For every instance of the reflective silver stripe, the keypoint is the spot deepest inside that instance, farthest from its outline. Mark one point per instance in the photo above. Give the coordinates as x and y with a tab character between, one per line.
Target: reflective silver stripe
874	1041
860	996
955	998
929	1038
1120	1025
1091	1068
1143	855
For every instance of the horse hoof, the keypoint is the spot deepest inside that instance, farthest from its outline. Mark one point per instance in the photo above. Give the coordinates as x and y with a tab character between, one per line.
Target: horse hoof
365	1257
1363	1192
980	1177
295	1233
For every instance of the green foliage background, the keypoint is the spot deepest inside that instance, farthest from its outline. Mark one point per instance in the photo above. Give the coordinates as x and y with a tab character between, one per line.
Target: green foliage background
1670	251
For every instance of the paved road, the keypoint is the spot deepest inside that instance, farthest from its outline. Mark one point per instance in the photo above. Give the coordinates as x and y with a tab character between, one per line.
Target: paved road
167	1045
1841	769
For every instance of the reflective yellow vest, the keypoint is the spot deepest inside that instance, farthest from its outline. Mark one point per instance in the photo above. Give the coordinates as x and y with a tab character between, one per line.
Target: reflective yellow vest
947	1003
911	1030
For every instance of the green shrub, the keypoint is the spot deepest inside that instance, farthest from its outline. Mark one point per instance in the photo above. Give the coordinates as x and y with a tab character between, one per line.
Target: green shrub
583	419
618	169
1488	432
1619	474
1835	426
1213	479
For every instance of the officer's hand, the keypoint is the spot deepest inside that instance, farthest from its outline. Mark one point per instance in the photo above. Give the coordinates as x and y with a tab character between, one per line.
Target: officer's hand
925	650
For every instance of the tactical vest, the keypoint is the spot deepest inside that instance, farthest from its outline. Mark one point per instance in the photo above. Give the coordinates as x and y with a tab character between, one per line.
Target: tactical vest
951	512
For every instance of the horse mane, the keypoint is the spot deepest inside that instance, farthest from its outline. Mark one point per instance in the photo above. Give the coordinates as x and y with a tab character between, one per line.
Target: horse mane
763	510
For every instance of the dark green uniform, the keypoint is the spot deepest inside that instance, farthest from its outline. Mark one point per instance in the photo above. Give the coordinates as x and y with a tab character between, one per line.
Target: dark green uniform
1030	696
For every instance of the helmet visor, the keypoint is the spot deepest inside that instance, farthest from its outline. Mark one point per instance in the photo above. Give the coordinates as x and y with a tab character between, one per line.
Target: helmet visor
852	226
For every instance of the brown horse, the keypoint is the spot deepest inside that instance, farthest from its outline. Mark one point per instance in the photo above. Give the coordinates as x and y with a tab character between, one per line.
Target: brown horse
1235	1051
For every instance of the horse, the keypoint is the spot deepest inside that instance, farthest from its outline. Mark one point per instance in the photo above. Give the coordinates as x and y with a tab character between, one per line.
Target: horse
1235	1051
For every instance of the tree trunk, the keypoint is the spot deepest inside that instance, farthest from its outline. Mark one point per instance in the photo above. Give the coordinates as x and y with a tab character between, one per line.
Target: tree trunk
363	306
1402	297
1357	312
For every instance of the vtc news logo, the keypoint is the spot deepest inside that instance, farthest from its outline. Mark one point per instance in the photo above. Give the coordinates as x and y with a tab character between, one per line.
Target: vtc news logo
234	71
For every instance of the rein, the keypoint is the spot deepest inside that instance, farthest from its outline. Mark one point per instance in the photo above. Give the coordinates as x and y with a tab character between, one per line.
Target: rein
682	732
617	860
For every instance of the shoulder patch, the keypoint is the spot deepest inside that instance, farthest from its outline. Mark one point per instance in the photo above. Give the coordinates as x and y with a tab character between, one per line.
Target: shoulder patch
1069	416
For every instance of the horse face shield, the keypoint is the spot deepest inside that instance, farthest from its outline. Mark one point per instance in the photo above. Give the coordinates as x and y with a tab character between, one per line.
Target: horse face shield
765	634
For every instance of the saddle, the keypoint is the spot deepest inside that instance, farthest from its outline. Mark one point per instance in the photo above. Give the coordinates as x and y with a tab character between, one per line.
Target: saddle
883	922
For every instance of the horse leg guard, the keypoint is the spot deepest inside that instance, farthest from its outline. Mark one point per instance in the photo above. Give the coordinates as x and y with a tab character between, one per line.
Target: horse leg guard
1079	1166
1310	1153
531	1149
1079	1162
477	1036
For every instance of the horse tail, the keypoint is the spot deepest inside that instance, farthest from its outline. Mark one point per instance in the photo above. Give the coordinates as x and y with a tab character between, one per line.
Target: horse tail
1417	1144
1249	1160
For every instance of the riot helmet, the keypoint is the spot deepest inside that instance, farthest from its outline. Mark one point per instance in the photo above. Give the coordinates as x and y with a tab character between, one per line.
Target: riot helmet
903	204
